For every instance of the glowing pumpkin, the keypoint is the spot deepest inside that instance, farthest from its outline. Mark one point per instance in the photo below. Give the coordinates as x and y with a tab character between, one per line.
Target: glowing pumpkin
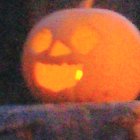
83	55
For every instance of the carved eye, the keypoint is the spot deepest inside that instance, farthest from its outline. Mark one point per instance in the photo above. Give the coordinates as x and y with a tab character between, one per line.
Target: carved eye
84	39
41	41
59	49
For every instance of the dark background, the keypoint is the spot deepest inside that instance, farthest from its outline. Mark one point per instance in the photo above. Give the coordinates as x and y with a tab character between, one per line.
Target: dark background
17	18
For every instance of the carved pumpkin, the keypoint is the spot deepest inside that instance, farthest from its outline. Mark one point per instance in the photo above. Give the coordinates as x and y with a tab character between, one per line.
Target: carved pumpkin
83	55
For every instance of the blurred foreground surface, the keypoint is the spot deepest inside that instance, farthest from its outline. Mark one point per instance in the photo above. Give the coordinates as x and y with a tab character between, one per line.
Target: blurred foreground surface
85	121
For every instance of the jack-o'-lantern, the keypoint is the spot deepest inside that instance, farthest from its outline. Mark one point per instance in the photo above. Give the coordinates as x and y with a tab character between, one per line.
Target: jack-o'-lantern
83	55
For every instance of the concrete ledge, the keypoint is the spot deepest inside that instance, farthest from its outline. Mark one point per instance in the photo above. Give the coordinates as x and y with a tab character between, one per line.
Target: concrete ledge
83	121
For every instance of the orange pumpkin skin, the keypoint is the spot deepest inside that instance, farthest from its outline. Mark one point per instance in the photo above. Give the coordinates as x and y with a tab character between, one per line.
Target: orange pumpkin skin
104	44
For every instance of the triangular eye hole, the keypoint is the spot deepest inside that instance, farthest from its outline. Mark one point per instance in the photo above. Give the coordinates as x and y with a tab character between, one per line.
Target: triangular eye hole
59	49
41	41
84	39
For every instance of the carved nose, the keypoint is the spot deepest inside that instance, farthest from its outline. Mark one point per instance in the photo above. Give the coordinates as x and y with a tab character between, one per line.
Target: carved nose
59	49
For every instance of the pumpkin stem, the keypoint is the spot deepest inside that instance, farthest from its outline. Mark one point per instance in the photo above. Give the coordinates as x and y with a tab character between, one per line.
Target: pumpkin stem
86	3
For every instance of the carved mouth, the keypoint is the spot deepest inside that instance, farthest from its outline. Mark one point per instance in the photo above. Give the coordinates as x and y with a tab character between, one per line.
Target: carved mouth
57	77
